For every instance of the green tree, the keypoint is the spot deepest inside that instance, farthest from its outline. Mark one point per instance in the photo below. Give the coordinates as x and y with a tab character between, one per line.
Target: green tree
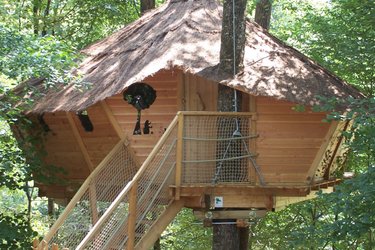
39	39
340	36
80	22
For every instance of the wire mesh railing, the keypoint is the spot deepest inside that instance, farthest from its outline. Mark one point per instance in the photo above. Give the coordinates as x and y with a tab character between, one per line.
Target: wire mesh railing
93	198
141	202
197	147
217	148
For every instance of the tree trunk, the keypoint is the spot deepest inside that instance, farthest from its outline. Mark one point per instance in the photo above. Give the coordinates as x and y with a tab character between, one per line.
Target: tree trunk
233	36
36	8
263	13
157	245
45	18
225	236
244	233
147	5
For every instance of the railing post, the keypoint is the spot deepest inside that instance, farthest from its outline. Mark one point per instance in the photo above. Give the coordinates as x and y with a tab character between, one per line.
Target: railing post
132	216
253	147
179	155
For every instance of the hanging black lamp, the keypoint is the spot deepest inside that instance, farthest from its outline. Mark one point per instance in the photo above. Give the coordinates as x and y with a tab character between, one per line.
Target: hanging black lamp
141	96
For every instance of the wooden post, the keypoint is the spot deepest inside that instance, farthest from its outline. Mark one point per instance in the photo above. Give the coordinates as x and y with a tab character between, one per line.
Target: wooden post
79	140
132	216
180	133
43	245
35	244
120	133
253	131
159	225
94	209
81	191
55	247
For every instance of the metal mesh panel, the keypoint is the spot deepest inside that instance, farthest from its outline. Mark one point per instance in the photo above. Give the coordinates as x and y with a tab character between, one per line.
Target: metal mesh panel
103	188
216	148
152	198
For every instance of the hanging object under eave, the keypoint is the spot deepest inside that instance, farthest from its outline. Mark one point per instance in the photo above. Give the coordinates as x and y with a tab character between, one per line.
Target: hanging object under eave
141	96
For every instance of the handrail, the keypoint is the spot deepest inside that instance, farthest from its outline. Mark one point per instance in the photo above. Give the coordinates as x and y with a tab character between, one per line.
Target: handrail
127	189
68	209
174	137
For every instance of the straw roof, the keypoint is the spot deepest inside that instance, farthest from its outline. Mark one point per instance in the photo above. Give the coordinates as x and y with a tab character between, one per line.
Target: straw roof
185	34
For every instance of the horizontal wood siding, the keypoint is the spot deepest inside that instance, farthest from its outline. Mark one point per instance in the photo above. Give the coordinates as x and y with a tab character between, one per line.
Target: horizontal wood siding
160	113
62	149
288	140
199	94
102	139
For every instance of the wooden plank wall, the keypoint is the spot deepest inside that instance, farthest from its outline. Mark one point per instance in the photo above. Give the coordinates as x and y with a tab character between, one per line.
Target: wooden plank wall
288	140
102	139
160	113
63	150
199	94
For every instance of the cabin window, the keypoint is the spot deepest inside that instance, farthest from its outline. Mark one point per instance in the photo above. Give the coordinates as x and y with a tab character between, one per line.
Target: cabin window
86	123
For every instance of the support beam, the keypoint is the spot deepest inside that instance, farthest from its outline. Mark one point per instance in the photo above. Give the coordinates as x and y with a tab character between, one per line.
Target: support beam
335	153
230	214
180	134
132	216
319	158
191	191
92	189
253	145
120	133
158	227
112	120
79	140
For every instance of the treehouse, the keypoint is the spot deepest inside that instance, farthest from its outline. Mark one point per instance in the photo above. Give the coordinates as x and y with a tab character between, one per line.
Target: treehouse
145	139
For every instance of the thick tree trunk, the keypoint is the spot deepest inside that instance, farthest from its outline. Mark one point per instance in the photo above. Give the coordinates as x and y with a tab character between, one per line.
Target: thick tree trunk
147	5
244	233
225	236
45	21
263	13
36	6
233	36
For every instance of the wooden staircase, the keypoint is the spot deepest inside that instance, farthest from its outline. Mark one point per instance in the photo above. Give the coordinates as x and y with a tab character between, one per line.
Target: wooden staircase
123	206
132	216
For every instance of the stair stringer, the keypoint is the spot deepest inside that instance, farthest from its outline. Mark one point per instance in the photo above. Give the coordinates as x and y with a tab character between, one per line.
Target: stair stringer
145	198
103	184
160	225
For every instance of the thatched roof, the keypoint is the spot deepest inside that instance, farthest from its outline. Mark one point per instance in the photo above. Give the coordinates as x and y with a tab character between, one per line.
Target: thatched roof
186	34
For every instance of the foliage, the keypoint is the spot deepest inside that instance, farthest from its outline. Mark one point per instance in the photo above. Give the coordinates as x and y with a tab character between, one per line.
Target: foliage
338	34
361	138
10	158
15	231
354	221
25	57
339	220
185	233
80	22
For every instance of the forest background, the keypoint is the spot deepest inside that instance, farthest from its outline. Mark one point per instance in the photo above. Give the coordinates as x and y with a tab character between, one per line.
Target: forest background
42	38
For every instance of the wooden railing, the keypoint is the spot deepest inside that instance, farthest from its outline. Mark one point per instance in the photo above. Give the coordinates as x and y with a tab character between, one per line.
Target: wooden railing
94	196
197	147
141	202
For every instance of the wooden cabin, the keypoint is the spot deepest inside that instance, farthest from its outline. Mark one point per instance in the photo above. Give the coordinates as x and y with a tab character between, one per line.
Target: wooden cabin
128	187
